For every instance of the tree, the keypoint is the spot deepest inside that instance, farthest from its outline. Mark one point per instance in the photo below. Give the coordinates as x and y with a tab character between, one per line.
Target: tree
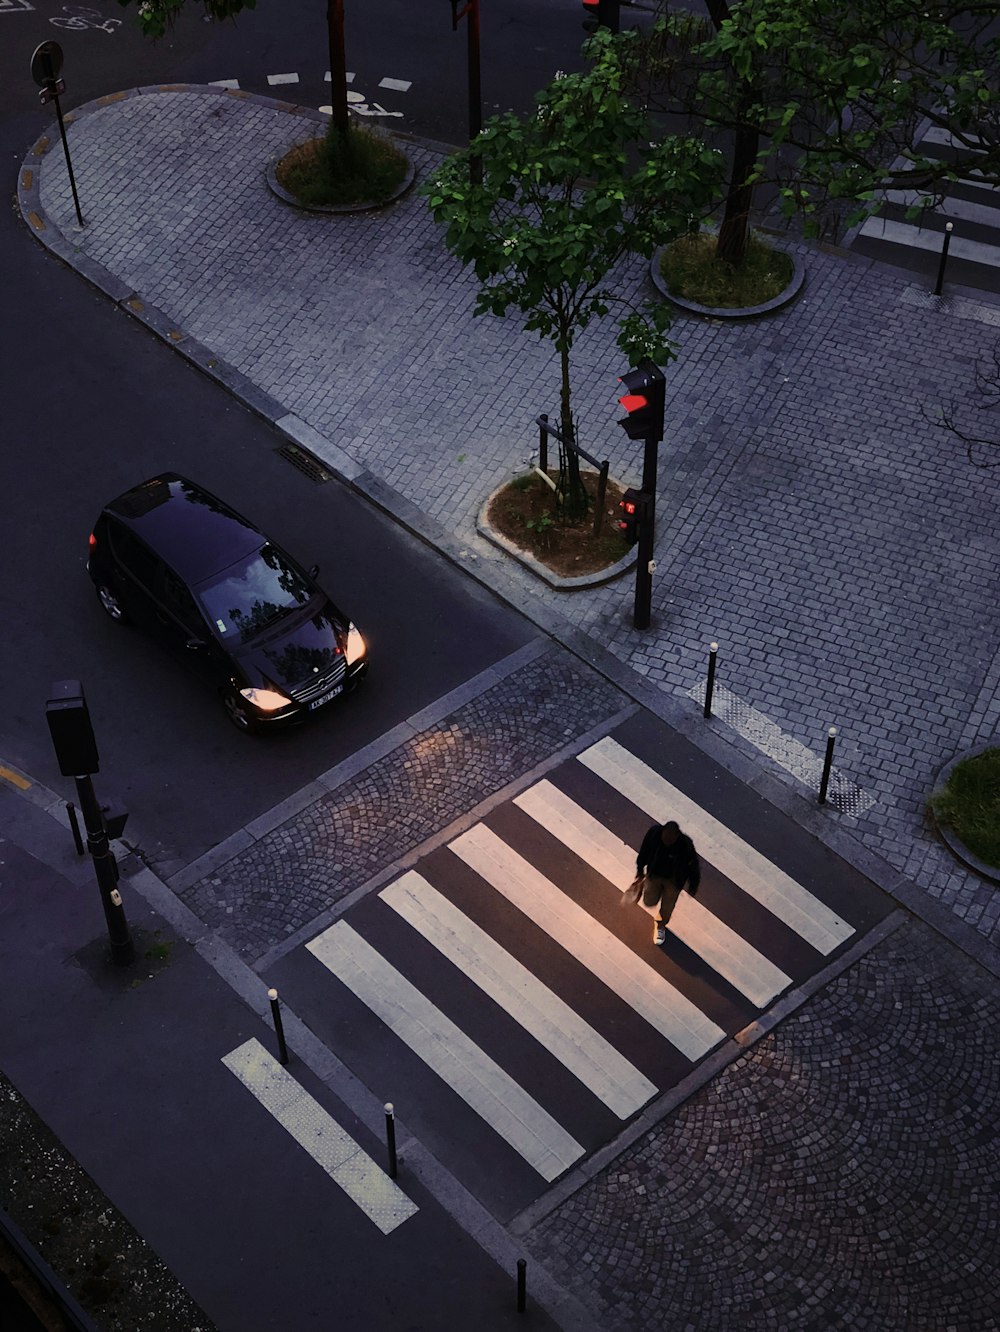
835	94
156	16
560	199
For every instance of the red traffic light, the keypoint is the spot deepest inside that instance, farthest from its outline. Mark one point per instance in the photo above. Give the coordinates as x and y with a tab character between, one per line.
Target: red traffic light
634	402
633	508
643	402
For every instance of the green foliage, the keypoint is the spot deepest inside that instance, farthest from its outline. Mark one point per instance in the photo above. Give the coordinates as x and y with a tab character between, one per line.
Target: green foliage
845	86
157	16
565	195
970	804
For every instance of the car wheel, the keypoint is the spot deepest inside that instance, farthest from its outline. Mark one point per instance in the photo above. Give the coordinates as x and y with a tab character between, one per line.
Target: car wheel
236	711
111	604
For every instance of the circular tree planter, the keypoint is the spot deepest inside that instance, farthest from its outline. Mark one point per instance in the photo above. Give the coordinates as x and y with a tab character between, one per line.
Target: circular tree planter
365	206
947	834
534	565
731	312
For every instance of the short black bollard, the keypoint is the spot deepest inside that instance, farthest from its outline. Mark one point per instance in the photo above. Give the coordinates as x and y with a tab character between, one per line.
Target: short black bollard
827	764
74	824
390	1138
522	1298
279	1030
939	287
713	649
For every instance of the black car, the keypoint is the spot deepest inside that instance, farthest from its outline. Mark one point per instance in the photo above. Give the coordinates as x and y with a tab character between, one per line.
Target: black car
180	563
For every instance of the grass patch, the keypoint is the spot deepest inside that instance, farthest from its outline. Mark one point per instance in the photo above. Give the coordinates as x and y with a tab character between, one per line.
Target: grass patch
364	167
691	271
970	804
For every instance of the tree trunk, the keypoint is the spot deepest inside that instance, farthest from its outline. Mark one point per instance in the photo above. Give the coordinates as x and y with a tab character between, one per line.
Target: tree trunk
575	500
735	229
338	65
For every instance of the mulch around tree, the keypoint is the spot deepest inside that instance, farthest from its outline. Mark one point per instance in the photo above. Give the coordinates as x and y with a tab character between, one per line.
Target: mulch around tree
526	512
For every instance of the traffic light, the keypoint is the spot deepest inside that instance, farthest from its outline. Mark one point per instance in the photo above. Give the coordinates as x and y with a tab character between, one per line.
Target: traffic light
72	734
643	402
635	508
601	14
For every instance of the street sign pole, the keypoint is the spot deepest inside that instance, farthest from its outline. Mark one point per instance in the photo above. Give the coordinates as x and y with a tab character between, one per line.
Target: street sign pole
46	64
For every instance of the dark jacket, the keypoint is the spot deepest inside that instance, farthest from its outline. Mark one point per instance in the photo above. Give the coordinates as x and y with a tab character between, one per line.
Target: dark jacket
678	863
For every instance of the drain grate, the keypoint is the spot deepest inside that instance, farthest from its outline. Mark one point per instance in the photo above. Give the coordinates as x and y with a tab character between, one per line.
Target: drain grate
305	462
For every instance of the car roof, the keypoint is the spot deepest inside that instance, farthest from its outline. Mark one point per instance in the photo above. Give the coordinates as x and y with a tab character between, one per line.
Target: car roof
187	526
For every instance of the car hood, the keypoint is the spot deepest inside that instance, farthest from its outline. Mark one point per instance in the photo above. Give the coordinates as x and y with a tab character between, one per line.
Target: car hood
299	652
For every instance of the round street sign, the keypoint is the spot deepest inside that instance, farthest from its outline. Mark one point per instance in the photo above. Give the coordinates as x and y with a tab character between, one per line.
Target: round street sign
46	63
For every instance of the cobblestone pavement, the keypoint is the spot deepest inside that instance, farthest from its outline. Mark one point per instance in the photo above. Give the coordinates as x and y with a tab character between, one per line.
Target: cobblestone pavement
842	1174
337	842
834	541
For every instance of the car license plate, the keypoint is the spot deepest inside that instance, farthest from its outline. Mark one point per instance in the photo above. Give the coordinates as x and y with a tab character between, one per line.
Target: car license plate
325	698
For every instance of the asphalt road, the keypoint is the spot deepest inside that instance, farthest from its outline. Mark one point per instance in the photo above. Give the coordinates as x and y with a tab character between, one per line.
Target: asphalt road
92	404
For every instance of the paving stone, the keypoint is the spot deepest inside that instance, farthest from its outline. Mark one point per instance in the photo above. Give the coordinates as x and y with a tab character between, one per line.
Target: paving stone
842	1174
295	873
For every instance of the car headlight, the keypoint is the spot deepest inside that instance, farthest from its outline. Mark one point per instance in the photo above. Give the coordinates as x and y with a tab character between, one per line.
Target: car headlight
265	700
356	648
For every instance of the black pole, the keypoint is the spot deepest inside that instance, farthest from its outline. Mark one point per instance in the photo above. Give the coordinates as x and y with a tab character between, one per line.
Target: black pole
522	1297
475	90
713	649
122	949
644	560
602	490
279	1029
939	285
69	164
390	1138
543	443
827	764
74	824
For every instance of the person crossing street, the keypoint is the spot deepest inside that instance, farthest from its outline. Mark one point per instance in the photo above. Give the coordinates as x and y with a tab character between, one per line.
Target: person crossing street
667	863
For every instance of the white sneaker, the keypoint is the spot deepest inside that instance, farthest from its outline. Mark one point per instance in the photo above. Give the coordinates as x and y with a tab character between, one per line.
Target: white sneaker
659	934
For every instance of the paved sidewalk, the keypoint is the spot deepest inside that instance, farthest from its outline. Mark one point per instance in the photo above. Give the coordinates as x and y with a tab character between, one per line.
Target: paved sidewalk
838	546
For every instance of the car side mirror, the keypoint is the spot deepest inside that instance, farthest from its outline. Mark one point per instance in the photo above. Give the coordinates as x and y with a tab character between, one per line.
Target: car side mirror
314	571
196	645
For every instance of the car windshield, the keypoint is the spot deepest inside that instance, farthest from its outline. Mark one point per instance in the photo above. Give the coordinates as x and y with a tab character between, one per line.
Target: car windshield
250	595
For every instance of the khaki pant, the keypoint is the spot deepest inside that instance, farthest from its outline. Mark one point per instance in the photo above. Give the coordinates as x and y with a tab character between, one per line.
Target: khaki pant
664	891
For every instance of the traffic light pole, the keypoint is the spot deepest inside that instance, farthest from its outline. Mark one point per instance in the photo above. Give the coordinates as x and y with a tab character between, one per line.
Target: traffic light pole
122	949
647	524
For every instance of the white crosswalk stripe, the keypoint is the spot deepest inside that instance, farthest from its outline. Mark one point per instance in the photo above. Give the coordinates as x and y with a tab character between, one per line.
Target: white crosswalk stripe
643	989
445	1048
330	1146
544	894
722	948
890	231
552	1022
754	873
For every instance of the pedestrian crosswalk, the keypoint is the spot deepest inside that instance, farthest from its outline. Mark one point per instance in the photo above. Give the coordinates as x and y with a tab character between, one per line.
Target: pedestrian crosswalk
330	1146
970	207
514	926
